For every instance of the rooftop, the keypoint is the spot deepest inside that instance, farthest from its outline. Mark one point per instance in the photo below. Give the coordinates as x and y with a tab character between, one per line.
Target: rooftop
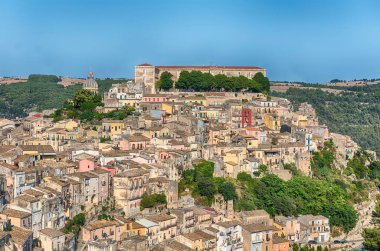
100	224
53	233
15	213
254	228
160	217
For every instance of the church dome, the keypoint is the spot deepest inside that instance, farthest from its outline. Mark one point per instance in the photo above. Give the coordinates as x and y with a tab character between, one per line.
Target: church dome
90	83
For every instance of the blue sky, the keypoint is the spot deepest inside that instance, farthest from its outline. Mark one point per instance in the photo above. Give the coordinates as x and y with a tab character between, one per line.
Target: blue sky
303	40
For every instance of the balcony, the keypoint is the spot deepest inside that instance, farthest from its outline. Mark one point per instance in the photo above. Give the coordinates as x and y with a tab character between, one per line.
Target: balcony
135	198
237	246
257	241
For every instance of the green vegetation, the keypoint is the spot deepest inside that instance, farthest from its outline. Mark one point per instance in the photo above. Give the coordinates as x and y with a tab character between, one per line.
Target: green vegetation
204	186
74	225
165	82
322	163
83	105
296	247
356	114
198	81
300	195
152	200
105	84
40	92
357	178
371	239
372	235
292	168
8	226
105	216
331	192
376	212
106	208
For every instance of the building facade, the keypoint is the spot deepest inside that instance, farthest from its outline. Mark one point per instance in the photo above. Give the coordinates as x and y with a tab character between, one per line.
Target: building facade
148	75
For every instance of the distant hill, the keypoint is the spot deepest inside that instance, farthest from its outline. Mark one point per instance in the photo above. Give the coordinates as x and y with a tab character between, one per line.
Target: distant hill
40	92
353	110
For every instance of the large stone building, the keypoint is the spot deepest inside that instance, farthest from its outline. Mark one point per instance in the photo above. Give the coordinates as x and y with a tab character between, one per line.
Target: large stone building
90	83
148	74
123	94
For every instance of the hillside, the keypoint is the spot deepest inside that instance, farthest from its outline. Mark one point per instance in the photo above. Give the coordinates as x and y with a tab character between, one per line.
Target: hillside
354	111
40	92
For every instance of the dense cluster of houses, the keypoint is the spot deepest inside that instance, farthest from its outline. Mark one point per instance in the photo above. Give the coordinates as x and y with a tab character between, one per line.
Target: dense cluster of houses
51	172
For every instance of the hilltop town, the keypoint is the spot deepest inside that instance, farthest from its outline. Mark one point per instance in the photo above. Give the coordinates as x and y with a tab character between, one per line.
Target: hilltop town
161	163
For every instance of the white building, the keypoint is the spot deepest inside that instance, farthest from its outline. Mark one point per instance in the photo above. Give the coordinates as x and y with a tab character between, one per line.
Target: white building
230	236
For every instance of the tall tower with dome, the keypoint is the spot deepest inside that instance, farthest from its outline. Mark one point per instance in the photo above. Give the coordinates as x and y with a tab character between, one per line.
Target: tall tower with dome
90	83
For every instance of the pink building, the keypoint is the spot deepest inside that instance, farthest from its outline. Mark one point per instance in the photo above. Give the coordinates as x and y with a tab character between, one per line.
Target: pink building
86	162
253	132
102	229
133	142
86	165
110	169
155	98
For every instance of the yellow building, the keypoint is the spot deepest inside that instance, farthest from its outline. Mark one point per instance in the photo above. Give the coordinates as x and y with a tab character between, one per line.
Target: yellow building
167	107
111	128
35	142
212	114
196	99
57	137
71	125
39	152
132	102
301	121
133	228
233	159
252	142
272	121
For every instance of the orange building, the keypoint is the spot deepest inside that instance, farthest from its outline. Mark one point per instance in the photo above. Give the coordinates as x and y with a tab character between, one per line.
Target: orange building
280	244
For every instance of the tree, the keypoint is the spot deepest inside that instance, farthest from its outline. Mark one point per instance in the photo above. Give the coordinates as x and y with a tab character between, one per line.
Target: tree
227	189
357	165
74	225
244	177
166	81
263	82
152	200
86	99
206	188
263	168
295	247
374	170
292	168
371	239
376	212
198	81
204	169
